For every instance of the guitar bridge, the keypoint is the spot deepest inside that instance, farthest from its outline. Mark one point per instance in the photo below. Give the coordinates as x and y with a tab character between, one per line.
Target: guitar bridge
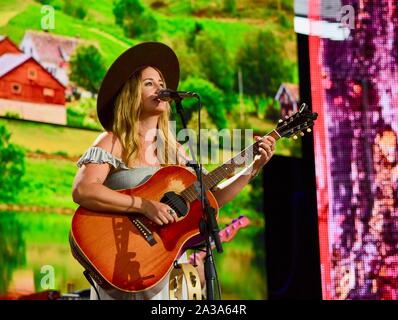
142	228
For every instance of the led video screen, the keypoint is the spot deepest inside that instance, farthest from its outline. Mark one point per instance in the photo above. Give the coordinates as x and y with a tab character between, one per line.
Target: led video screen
354	88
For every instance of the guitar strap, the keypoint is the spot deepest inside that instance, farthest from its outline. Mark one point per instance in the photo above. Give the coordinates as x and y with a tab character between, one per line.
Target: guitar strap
184	271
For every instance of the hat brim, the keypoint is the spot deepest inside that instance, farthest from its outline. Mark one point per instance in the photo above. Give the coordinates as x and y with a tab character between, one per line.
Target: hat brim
154	54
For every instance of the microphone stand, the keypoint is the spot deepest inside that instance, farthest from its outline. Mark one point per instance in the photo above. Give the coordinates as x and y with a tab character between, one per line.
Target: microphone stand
208	224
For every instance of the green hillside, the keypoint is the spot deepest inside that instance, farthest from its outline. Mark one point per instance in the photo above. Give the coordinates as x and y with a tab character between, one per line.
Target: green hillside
98	26
49	139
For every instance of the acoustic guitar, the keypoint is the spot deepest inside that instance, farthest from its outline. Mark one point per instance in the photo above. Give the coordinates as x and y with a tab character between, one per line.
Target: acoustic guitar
131	254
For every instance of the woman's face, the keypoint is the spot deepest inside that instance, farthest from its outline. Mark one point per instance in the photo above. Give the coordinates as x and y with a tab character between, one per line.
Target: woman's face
151	83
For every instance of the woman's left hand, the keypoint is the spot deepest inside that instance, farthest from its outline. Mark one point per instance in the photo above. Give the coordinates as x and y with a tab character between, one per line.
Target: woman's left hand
267	150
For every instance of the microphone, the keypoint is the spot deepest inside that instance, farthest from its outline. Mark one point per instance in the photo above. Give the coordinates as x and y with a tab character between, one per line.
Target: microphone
169	95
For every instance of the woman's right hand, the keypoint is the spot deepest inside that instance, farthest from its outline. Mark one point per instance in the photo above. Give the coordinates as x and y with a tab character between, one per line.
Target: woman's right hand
158	212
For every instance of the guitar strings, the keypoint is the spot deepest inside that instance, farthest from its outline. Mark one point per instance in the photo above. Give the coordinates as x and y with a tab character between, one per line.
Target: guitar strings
245	153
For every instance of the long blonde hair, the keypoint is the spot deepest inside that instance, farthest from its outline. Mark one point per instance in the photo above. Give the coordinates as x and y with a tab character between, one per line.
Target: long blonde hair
125	125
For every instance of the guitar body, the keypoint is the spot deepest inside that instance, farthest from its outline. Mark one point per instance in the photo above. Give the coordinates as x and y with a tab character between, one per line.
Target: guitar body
117	254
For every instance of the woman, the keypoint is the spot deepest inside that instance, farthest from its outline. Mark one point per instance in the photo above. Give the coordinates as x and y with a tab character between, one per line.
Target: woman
137	134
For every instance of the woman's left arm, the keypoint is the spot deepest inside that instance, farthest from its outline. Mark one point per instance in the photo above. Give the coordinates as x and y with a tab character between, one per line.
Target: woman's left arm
230	188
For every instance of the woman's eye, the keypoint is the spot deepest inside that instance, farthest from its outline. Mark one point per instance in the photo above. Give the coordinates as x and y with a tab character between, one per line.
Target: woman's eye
151	83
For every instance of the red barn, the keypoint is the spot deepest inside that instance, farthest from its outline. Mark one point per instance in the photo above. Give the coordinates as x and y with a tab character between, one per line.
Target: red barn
7	46
52	51
288	97
29	90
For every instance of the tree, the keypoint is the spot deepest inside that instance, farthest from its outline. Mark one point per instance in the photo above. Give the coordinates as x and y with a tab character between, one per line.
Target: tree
75	9
216	64
211	98
125	9
134	19
87	68
263	66
12	167
144	26
230	6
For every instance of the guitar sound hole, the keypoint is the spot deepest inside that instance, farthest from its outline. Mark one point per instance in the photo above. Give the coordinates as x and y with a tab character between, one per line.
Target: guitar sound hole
176	202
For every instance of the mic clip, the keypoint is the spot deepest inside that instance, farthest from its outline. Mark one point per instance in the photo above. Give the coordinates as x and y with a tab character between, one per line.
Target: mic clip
169	95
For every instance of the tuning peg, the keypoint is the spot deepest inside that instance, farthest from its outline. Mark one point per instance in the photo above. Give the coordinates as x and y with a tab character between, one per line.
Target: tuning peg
280	121
303	107
309	130
301	133
286	117
295	137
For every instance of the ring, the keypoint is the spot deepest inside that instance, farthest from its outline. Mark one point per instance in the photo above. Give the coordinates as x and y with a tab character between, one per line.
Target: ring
171	211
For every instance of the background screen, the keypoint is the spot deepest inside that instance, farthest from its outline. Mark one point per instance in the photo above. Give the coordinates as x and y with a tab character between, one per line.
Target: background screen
354	83
238	55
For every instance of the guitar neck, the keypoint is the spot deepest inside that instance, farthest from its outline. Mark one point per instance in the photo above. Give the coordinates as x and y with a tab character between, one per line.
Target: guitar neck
226	169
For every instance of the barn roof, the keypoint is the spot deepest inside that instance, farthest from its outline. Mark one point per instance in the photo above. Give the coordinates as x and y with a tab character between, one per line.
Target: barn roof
291	88
10	61
6	38
51	48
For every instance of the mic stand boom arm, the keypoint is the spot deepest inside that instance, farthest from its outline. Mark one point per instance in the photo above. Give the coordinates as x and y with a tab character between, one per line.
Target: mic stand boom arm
208	224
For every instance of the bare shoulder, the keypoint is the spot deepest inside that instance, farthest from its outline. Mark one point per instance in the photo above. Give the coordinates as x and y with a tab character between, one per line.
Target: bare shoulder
109	142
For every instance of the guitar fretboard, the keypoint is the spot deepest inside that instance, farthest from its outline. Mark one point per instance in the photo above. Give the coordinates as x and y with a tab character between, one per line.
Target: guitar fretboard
226	169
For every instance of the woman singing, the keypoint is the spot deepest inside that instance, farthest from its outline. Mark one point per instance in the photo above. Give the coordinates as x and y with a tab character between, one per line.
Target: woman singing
137	142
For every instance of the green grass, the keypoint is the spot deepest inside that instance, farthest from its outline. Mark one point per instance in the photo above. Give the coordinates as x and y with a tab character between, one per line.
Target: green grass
100	11
50	138
48	182
9	9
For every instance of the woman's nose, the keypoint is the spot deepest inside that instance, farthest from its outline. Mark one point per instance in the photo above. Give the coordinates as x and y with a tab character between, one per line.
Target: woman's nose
158	87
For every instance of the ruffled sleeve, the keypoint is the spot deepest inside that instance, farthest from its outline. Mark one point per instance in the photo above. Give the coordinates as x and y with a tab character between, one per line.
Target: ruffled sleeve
100	156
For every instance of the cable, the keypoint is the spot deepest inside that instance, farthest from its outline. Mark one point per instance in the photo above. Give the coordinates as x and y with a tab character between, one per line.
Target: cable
90	280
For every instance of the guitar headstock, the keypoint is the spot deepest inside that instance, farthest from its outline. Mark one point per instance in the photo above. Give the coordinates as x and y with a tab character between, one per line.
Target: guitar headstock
229	232
297	123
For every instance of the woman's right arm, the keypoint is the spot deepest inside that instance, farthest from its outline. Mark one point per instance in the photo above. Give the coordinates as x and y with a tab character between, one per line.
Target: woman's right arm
90	192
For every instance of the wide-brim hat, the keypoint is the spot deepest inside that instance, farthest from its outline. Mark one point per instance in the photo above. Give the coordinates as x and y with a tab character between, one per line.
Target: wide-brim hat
154	54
